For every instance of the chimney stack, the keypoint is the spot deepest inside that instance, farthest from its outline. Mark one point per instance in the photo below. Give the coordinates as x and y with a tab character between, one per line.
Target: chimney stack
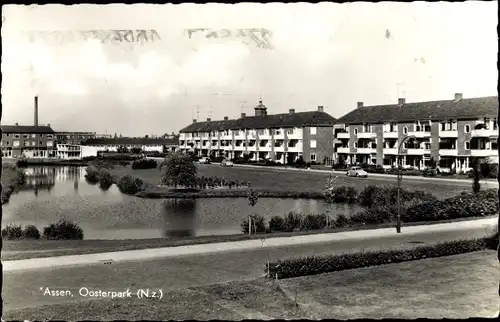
194	120
243	115
17	124
320	108
360	104
458	97
36	112
48	124
292	110
226	118
208	119
401	101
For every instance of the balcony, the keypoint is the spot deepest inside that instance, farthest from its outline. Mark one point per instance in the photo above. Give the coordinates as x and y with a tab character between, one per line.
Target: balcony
391	151
214	146
484	153
448	152
252	148
228	148
448	134
240	135
280	148
366	150
485	133
196	137
417	151
239	148
225	136
296	148
264	136
367	135
343	150
420	134
343	135
266	147
391	135
280	136
295	135
251	136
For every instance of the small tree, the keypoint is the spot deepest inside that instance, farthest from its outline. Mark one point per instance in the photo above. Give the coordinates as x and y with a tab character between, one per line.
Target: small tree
329	195
179	170
290	159
476	175
136	150
432	163
253	197
122	149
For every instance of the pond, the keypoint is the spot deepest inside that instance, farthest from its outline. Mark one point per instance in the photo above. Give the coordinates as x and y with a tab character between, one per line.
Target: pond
52	193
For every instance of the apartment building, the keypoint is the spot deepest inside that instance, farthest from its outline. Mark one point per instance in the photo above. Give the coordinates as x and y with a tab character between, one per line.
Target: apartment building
74	138
28	141
448	131
145	144
262	136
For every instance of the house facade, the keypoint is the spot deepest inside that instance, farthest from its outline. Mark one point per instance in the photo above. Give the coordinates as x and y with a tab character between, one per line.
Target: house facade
145	144
74	138
450	132
262	136
30	141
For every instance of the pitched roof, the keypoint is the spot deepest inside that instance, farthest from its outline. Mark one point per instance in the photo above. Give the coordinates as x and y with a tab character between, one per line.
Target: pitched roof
26	129
314	118
131	141
467	108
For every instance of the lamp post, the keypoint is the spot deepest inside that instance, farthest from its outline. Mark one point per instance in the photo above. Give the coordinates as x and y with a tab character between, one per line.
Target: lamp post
400	178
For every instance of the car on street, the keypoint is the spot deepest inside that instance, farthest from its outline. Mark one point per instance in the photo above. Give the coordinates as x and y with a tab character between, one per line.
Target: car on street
357	172
227	163
204	160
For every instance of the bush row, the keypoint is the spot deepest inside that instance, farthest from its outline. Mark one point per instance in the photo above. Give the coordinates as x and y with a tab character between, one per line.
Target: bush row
218	182
313	265
144	164
374	195
63	229
13	185
99	175
466	205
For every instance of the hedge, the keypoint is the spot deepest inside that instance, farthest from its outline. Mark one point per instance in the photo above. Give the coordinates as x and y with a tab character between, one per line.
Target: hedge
63	229
144	164
313	265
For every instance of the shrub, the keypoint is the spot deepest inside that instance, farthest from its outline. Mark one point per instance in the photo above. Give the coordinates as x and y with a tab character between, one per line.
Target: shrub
300	163
258	225
63	229
292	221
373	195
105	179
341	221
130	185
276	224
92	174
313	265
12	232
343	194
429	172
144	164
31	232
313	222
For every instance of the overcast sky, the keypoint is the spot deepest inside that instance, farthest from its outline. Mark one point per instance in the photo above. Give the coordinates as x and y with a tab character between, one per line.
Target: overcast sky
323	54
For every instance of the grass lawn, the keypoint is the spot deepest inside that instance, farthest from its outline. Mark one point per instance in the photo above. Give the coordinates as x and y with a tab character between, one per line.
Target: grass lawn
284	180
24	249
448	287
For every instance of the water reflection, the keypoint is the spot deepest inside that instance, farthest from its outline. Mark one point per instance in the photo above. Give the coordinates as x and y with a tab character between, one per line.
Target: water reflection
180	217
53	193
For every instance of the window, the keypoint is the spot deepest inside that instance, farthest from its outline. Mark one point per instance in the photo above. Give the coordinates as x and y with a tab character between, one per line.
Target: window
17	136
33	135
313	131
313	157
356	144
405	130
467	128
355	131
467	145
313	144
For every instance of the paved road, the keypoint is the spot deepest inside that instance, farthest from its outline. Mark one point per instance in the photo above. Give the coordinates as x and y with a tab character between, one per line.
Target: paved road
22	289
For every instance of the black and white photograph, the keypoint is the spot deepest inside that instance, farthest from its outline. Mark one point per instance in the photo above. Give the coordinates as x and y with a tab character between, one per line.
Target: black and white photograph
250	161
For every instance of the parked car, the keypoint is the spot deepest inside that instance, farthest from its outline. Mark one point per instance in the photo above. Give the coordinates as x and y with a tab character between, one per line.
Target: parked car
204	160
226	163
357	172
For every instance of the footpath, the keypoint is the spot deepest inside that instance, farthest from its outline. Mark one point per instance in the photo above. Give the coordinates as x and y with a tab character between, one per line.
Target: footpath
437	232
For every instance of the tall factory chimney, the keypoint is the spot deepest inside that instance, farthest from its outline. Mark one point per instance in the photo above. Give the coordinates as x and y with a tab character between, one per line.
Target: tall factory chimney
36	111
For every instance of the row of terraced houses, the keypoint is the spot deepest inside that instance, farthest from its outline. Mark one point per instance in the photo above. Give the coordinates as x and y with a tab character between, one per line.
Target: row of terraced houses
449	132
